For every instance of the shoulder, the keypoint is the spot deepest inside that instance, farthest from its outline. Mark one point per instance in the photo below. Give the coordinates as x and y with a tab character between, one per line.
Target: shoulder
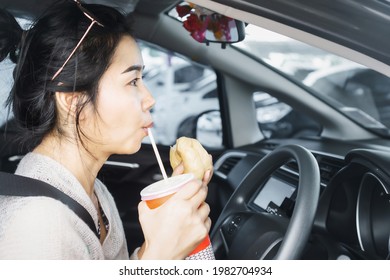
32	210
33	217
40	228
41	209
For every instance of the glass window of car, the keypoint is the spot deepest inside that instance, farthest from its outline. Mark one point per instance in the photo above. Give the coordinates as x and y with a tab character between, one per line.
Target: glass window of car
275	118
183	89
6	80
278	120
359	92
188	74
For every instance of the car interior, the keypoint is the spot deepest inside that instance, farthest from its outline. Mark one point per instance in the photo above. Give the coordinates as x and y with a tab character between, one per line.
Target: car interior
301	152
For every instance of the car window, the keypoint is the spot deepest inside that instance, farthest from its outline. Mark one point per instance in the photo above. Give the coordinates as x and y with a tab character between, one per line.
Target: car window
183	90
188	74
211	94
6	80
355	90
278	120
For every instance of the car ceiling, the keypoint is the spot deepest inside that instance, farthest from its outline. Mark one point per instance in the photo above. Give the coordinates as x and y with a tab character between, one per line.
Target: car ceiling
353	24
361	25
33	8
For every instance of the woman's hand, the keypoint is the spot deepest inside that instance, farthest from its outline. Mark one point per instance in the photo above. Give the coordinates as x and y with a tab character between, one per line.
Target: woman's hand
207	175
175	228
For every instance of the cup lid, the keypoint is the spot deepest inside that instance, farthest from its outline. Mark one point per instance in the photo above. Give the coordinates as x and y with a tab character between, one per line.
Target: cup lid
165	187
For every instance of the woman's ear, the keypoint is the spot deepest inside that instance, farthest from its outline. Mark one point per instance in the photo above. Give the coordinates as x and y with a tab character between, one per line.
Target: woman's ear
67	102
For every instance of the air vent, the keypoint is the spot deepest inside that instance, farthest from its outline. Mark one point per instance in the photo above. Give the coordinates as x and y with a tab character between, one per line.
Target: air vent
329	167
292	166
270	145
226	163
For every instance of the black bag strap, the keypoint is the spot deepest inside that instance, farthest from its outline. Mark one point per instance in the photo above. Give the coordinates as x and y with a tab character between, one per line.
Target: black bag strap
16	185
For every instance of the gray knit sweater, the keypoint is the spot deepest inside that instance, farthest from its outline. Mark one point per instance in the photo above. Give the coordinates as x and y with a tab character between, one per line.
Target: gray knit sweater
44	228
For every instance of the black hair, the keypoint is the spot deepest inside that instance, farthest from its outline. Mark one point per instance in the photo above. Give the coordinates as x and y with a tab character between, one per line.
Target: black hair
40	51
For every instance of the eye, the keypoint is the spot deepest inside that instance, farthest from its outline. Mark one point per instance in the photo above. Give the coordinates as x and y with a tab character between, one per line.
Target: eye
134	82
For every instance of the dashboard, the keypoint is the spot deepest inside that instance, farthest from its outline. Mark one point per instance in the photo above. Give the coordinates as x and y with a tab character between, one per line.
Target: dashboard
274	196
353	214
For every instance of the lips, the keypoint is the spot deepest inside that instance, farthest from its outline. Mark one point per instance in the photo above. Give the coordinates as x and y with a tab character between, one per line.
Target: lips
145	128
150	125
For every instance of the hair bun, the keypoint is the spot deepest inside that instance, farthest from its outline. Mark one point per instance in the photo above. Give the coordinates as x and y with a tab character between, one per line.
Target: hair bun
10	36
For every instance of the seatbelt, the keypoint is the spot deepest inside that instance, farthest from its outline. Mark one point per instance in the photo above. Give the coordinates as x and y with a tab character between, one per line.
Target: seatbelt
16	185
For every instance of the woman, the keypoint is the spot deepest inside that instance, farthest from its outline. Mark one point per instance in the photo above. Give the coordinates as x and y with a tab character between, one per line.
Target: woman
79	94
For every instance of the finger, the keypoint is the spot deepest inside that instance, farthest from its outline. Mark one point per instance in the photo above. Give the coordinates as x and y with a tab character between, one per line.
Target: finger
189	190
204	211
142	206
199	197
142	211
178	169
208	224
207	176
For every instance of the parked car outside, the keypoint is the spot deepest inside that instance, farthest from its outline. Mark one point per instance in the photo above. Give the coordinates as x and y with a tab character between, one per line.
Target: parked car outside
174	112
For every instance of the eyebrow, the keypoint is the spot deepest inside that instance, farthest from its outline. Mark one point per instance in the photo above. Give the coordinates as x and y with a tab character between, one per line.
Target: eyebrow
134	68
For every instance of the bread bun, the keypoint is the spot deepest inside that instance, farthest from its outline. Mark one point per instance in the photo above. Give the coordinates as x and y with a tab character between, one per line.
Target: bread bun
195	158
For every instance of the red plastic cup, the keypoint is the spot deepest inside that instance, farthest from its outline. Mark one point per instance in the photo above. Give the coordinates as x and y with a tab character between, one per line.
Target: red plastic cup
157	193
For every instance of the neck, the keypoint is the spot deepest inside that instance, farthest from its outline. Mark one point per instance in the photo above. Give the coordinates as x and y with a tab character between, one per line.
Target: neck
82	164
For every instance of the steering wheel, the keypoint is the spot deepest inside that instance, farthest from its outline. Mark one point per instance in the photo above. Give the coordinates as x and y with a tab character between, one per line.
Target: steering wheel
242	233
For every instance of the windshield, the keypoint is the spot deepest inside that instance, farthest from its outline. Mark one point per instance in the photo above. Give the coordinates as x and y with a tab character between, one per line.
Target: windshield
355	90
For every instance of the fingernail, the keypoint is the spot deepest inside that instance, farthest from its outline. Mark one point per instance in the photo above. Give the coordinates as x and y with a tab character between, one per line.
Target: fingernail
208	173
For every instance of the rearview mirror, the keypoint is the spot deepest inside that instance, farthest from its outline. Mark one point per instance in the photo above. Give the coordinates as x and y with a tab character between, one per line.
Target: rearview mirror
207	26
227	30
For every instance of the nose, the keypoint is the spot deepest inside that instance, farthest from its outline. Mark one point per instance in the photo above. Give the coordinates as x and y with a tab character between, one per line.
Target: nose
148	100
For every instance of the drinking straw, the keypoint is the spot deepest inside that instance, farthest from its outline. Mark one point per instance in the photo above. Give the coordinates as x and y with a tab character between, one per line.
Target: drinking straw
157	154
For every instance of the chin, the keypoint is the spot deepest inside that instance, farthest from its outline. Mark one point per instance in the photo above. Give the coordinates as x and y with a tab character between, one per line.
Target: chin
129	149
